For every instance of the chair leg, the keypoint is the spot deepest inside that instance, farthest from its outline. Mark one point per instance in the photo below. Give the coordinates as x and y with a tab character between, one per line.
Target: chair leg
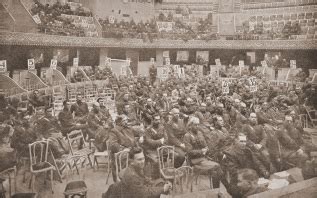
109	171
52	181
210	180
89	160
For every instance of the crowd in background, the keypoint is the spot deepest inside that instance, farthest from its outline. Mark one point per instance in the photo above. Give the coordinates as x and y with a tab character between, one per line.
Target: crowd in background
52	21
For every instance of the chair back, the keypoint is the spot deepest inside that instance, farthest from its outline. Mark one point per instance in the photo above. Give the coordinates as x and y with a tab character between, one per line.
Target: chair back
303	120
121	161
187	173
76	141
166	157
38	152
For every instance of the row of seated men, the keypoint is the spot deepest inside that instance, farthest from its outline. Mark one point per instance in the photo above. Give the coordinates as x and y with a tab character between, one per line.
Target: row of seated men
226	138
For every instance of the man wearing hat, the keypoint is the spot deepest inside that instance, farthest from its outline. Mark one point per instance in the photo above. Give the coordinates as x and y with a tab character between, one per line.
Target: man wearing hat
175	132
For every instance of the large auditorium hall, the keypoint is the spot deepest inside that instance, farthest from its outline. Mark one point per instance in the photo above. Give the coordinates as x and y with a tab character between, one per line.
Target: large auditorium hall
158	98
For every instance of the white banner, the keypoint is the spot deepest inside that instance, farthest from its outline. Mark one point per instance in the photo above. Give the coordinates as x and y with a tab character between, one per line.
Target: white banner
53	64
293	64
3	65
31	64
75	62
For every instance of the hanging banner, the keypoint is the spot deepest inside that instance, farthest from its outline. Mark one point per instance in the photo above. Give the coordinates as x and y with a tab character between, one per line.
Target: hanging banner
225	87
31	64
241	63
75	62
202	56
293	64
253	84
3	65
53	64
182	56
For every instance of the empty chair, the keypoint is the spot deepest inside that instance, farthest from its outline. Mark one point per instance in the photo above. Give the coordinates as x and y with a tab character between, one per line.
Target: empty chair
38	161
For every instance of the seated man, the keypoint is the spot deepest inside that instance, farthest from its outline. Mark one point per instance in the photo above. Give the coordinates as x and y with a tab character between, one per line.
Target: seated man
48	127
67	121
96	120
122	137
80	110
197	148
256	141
134	184
175	132
155	137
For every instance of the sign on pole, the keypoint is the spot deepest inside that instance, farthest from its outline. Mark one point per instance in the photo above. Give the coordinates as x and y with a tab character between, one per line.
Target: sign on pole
123	71
128	62
108	61
3	65
263	63
293	64
253	84
225	87
75	62
166	54
167	61
31	64
53	64
111	19
218	62
152	61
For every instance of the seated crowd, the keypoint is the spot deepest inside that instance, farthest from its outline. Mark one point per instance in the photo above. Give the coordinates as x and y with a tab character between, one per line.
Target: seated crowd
254	133
52	21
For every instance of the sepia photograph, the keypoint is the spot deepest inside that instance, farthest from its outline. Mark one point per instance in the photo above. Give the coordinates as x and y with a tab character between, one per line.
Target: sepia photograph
158	98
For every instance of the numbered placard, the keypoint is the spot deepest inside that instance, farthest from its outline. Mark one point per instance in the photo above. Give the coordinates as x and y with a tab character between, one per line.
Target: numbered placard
111	19
167	61
225	87
152	61
75	62
263	63
108	61
3	65
218	62
293	64
123	71
166	54
253	84
53	64
241	63
31	64
128	62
